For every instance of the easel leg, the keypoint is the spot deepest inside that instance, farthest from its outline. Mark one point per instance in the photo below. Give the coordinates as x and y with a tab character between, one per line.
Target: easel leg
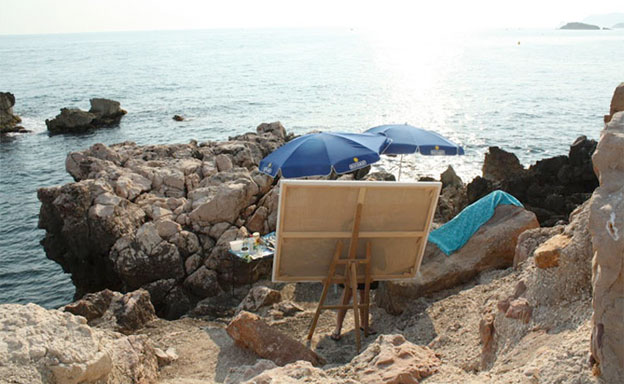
327	283
356	310
367	282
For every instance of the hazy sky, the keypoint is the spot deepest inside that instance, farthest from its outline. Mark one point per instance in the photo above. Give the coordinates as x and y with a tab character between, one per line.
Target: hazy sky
62	16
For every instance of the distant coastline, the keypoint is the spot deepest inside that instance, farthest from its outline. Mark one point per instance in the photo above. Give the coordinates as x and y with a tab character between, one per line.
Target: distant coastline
580	26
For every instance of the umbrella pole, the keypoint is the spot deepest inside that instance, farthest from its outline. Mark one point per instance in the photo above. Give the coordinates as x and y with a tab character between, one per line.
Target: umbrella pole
400	166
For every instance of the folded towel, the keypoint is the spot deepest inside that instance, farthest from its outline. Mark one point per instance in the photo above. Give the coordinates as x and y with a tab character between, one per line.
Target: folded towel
453	235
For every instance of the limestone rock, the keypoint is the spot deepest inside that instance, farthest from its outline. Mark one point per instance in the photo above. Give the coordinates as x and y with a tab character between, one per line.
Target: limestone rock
43	346
70	120
519	309
275	128
259	297
108	309
165	357
150	216
203	283
530	240
103	113
223	163
547	254
450	179
249	331
8	120
392	359
500	164
606	225
617	102
491	247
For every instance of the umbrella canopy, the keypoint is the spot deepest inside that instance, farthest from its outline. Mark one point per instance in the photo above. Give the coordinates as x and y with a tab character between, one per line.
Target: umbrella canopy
317	154
409	139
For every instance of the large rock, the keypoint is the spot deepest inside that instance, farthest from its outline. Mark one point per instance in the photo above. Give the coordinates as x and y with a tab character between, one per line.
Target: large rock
249	331
103	113
107	309
551	188
606	225
393	360
8	120
160	217
500	165
49	346
259	297
491	247
617	102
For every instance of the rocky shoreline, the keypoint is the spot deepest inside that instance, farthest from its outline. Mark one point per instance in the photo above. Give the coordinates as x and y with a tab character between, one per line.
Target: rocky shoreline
147	228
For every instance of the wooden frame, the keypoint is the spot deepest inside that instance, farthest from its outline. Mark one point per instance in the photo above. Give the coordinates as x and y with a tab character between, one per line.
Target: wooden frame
314	215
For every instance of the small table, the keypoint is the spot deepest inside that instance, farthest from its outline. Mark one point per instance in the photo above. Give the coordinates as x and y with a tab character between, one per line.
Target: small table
262	252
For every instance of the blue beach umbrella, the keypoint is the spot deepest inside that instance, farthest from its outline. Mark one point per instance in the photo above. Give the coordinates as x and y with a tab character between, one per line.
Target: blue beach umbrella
317	154
409	139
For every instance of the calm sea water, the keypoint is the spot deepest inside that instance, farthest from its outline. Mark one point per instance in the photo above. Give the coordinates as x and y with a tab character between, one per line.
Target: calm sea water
531	92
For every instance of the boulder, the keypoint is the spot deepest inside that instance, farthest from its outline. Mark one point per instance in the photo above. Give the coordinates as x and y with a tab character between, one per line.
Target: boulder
530	240
491	247
391	359
50	346
259	297
617	102
519	309
275	128
606	225
8	120
250	332
450	179
547	255
203	283
107	309
500	164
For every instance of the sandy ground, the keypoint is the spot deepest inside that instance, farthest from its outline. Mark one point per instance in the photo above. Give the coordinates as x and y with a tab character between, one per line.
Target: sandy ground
447	322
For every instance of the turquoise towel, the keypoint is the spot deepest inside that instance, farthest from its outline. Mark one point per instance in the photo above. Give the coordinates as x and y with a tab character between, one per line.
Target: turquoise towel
453	235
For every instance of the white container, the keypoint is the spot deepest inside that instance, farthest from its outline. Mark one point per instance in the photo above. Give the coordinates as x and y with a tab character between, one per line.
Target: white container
236	245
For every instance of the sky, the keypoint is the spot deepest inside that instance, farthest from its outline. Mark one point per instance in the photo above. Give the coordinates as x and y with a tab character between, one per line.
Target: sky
71	16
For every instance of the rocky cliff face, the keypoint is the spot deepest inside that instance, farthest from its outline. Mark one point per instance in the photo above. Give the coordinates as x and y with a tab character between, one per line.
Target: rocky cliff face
606	224
161	217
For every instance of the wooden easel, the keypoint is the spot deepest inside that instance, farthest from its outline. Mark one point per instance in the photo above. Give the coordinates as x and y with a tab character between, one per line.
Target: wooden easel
350	277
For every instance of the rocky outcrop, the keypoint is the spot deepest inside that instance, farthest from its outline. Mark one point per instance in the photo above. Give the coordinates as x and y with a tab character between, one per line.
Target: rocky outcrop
161	218
49	346
107	309
491	247
8	120
551	188
606	225
617	102
577	25
249	331
103	113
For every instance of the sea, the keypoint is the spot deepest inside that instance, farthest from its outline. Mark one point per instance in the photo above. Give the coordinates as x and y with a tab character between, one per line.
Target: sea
532	92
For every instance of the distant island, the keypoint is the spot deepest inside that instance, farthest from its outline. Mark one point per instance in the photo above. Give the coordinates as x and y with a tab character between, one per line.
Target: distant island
577	25
618	25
